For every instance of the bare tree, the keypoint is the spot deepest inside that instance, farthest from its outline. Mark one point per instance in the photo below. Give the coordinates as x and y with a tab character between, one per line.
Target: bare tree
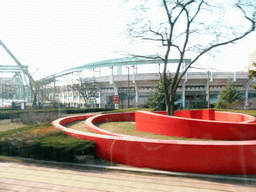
86	88
191	26
6	89
252	73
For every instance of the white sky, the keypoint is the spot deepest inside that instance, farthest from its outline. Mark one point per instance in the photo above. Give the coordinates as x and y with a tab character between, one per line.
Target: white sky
50	36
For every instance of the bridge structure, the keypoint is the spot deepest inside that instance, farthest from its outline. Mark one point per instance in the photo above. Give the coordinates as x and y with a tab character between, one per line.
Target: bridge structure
18	85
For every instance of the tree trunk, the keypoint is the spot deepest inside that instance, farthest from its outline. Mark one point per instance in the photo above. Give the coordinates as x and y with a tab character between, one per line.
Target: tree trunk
170	104
34	105
166	91
171	113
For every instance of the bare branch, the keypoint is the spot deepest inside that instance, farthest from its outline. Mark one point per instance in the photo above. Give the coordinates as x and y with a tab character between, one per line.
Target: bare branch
184	32
86	88
147	57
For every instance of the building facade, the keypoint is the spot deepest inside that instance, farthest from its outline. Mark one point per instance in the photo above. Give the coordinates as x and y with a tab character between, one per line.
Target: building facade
193	91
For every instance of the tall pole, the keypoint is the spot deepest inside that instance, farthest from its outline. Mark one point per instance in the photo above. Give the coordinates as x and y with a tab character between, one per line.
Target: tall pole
128	90
208	89
2	95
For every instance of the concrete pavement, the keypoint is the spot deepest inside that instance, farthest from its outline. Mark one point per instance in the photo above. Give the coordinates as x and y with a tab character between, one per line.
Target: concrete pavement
41	177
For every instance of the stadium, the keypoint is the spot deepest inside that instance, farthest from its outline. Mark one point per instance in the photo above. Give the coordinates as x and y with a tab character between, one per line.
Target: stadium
118	83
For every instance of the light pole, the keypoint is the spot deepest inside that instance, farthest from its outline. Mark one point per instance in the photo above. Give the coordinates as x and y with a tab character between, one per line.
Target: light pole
208	88
128	89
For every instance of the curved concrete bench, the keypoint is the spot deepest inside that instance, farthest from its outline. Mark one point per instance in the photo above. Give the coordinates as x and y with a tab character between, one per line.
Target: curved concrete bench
212	157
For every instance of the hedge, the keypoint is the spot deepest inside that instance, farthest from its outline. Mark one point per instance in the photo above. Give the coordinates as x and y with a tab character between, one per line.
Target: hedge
53	145
9	114
127	110
61	148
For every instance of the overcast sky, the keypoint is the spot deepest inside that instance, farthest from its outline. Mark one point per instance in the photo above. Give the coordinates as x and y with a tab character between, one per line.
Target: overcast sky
50	36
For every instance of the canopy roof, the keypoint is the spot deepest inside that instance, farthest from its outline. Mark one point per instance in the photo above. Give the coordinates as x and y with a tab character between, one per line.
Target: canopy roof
112	63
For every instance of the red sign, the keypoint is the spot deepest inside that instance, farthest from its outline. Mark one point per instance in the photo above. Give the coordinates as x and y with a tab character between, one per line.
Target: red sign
115	99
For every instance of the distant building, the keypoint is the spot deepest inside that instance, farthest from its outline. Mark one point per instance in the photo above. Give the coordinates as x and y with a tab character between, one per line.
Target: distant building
131	90
252	60
192	92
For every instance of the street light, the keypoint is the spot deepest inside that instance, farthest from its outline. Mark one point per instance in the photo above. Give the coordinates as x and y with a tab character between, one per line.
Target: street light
128	90
208	89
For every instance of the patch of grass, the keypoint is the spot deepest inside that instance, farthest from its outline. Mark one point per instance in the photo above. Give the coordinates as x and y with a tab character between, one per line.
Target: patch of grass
124	127
11	159
128	110
128	128
7	124
22	129
79	126
248	112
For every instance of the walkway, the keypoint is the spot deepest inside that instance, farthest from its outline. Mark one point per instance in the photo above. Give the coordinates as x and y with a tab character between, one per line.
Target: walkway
41	177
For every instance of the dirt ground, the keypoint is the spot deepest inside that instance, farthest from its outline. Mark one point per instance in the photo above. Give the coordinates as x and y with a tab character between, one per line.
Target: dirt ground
7	124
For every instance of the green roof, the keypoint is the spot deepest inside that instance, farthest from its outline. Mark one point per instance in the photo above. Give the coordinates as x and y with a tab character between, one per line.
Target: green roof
114	62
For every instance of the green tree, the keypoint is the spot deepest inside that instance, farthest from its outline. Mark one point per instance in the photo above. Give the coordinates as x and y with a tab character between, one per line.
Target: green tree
228	96
157	99
252	73
193	28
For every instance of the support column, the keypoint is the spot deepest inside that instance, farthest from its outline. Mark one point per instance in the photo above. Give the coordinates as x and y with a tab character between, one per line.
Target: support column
234	79
133	74
184	88
63	97
159	71
136	95
111	81
184	95
246	104
100	99
208	88
211	77
54	90
72	92
116	93
67	92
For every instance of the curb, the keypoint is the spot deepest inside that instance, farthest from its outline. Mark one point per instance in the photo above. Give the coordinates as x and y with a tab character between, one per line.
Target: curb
128	169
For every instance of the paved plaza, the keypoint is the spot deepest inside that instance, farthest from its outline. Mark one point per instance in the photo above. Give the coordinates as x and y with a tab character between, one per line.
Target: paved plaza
41	177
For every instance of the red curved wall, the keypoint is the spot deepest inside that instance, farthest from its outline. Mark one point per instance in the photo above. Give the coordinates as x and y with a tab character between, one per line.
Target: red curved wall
89	123
211	157
232	117
178	126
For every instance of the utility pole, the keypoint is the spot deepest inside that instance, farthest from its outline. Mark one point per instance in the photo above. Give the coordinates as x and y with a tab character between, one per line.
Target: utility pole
128	90
208	88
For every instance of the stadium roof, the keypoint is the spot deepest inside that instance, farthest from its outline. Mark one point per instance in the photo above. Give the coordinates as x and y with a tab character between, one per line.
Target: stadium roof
111	63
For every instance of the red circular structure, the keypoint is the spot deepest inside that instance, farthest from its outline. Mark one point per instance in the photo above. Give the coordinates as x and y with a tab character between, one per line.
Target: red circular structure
212	157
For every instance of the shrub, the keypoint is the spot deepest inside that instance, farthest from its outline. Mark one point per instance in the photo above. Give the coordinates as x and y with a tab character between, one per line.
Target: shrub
61	148
43	142
31	118
11	114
